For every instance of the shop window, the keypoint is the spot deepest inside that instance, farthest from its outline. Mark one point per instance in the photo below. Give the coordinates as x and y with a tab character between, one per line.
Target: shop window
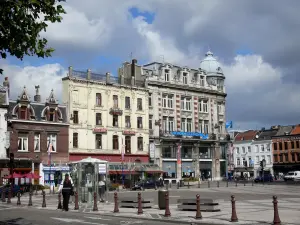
98	141
75	140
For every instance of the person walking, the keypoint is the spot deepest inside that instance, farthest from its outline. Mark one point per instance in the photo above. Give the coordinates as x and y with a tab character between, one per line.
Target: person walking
66	188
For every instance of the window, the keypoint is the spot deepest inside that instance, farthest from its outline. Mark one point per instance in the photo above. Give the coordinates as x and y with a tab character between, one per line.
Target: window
98	139
244	150
150	122
268	159
150	99
22	142
115	121
115	142
202	81
184	78
75	140
200	126
52	115
75	96
292	144
281	158
75	117
98	99
127	144
220	128
127	122
140	143
280	145
220	109
285	145
183	124
262	157
37	146
256	149
249	149
51	139
256	159
127	102
168	101
189	125
244	162
293	157
297	144
139	122
203	106
115	100
23	113
186	103
275	146
262	148
237	150
238	161
139	104
167	75
170	124
250	161
206	126
98	119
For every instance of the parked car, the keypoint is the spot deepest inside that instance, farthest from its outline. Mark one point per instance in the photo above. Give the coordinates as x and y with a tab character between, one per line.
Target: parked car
16	189
265	178
147	184
292	175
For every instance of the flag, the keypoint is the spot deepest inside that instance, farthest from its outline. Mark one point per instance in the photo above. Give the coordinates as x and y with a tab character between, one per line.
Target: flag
228	124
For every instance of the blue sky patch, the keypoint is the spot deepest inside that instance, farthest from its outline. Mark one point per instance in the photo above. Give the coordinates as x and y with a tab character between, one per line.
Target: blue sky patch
244	51
148	16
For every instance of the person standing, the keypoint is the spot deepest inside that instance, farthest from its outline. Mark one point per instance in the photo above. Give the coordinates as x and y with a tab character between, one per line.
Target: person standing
66	188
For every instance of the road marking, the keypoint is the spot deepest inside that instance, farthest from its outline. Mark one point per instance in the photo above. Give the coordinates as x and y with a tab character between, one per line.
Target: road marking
96	218
67	220
130	222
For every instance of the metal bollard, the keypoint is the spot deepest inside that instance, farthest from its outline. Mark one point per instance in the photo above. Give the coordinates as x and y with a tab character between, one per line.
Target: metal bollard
227	183
9	196
208	184
188	184
198	213
177	185
44	199
233	213
59	201
218	184
76	201
19	198
167	210
30	199
95	207
140	210
116	209
276	214
198	183
3	195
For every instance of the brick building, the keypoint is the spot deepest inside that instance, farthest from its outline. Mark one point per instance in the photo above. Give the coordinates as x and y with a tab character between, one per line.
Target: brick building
286	149
37	128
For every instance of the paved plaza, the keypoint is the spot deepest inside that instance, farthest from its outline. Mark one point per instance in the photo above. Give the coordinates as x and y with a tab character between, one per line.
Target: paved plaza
253	204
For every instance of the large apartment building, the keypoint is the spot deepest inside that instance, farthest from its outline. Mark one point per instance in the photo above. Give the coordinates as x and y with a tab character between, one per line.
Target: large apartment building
186	117
108	117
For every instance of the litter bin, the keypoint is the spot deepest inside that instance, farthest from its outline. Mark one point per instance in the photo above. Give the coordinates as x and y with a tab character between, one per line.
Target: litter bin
161	199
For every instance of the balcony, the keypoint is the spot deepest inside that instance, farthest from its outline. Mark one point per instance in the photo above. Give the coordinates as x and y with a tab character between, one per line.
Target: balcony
116	111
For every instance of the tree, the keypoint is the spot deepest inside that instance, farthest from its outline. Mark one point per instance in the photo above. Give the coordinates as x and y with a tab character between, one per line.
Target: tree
21	22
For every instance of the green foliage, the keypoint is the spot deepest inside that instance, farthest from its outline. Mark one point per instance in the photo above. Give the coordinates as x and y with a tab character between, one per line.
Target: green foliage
21	22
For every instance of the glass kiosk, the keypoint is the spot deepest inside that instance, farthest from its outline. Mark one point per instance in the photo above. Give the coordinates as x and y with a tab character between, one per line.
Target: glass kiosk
86	175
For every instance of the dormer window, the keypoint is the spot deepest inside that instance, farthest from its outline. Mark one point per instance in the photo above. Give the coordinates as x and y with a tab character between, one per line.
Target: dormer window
202	81
184	78
167	75
23	113
52	116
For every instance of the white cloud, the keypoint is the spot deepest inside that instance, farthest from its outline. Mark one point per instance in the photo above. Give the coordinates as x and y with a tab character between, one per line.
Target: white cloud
47	76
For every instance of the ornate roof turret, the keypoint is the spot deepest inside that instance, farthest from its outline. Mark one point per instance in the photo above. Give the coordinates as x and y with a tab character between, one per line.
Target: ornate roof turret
210	65
24	97
51	100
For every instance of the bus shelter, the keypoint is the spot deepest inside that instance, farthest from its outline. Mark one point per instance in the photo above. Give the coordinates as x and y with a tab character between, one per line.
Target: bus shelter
86	175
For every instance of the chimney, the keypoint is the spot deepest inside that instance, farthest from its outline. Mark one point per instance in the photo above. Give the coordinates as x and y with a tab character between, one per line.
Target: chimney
6	84
37	97
70	71
134	61
107	77
89	74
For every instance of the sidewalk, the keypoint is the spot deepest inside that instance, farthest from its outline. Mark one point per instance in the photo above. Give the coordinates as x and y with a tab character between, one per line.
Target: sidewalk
248	212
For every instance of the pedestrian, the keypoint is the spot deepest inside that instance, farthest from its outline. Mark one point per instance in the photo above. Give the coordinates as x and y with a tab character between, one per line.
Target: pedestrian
66	188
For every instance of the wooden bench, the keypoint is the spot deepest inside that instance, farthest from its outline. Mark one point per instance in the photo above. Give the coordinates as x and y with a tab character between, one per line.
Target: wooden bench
190	204
131	202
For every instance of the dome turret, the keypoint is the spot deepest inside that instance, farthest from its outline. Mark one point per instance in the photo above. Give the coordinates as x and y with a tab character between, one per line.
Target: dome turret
210	65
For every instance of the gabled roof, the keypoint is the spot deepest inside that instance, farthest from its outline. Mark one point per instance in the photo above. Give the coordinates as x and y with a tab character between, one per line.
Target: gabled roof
246	136
296	130
24	97
51	100
284	130
266	134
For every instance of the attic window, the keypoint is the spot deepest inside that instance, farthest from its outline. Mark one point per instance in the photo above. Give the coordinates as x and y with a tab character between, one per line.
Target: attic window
52	115
23	113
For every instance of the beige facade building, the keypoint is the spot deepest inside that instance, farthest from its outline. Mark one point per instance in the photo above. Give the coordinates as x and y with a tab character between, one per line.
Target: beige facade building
108	117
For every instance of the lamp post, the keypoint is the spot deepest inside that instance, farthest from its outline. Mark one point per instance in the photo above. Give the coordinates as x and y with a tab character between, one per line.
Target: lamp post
11	164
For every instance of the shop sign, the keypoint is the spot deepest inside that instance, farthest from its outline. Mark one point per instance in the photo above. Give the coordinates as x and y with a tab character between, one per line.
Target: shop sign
190	134
56	168
128	132
152	150
99	130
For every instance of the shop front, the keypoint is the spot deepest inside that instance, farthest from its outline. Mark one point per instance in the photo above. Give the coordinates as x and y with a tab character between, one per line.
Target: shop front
188	169
169	169
205	169
53	175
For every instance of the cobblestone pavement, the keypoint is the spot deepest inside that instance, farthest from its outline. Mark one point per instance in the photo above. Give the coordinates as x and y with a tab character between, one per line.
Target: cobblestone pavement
254	205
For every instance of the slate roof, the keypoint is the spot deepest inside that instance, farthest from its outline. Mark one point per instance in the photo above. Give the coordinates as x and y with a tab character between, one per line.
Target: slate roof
38	108
246	136
266	134
284	130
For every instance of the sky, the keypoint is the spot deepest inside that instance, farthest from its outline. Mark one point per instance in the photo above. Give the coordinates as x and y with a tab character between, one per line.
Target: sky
256	42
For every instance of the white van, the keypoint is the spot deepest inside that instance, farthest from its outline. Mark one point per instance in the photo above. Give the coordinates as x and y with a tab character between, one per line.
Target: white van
292	175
